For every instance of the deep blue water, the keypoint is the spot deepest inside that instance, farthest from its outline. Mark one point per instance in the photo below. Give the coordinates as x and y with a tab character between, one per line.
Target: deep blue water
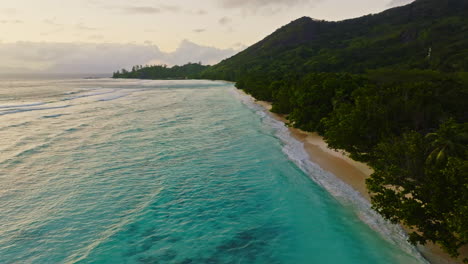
113	171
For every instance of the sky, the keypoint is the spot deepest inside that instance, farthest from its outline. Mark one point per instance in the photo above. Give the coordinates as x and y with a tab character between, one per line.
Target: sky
99	36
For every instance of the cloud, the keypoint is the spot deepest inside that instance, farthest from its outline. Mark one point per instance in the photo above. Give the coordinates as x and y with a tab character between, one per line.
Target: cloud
38	57
265	7
11	21
135	10
224	21
199	12
87	58
191	52
52	32
81	26
170	8
199	30
96	37
51	22
239	46
262	3
8	11
395	3
141	10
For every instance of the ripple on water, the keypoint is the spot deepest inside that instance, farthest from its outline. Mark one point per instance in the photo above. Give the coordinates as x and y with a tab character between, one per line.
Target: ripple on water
163	172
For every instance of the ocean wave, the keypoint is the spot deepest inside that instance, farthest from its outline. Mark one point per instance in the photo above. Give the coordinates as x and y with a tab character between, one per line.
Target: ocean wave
21	105
89	95
120	93
15	125
31	109
112	97
83	253
53	116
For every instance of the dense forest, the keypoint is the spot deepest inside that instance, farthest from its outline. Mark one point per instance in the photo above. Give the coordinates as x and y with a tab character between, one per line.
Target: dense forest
390	89
162	72
410	126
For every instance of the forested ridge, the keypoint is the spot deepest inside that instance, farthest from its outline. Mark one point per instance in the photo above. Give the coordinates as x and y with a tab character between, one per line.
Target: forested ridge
427	34
391	89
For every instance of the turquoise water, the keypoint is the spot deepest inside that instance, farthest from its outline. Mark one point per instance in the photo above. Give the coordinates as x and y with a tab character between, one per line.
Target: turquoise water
113	171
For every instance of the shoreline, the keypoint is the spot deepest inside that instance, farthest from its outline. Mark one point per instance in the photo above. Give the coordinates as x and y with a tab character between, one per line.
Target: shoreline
351	172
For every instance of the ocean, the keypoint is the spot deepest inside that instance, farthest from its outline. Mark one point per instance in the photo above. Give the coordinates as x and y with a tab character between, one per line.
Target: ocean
134	171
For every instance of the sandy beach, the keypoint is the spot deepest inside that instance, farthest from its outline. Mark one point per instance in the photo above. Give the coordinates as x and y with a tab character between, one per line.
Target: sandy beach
351	172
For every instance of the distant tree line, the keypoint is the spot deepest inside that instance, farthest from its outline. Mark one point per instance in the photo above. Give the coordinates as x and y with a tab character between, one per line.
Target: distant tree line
161	72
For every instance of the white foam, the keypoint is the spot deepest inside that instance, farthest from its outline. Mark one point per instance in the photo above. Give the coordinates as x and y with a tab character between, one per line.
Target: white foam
344	193
120	94
113	97
89	94
21	105
31	109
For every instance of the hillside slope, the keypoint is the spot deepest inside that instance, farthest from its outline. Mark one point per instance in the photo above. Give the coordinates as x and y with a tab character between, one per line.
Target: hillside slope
427	34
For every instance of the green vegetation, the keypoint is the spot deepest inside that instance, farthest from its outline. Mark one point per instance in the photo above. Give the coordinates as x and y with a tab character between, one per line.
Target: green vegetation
162	72
390	89
428	34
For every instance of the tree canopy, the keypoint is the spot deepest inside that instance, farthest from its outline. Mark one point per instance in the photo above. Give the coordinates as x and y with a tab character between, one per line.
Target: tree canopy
162	72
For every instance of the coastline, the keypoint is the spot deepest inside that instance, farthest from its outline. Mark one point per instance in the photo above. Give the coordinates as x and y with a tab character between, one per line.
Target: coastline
351	172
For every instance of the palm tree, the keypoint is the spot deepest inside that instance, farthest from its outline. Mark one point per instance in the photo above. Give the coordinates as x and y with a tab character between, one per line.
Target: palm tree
450	140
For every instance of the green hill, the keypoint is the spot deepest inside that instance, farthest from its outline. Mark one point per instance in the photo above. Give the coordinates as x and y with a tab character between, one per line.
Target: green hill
401	37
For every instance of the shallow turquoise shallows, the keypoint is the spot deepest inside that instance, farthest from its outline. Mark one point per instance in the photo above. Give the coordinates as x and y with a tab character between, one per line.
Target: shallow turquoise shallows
118	171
